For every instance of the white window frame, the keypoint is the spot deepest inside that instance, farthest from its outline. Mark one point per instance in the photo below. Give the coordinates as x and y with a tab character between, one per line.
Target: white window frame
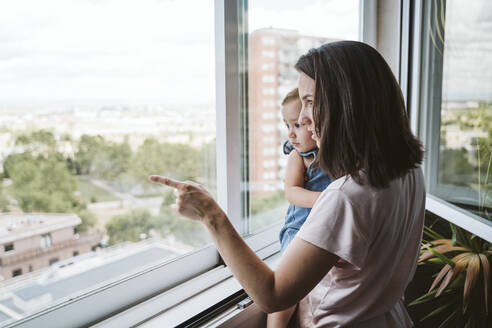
138	296
419	94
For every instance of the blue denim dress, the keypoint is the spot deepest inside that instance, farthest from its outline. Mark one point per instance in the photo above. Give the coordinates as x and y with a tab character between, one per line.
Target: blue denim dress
316	180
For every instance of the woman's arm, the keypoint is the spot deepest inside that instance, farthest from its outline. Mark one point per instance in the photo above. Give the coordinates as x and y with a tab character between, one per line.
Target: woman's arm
300	269
294	183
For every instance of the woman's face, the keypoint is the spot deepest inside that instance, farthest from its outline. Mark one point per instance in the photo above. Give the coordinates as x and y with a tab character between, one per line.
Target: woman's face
306	93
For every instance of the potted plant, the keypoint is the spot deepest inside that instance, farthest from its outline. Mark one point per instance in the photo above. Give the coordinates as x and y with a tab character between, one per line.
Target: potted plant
462	284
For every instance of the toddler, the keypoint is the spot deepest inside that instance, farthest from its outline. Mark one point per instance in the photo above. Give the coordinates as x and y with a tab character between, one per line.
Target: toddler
304	182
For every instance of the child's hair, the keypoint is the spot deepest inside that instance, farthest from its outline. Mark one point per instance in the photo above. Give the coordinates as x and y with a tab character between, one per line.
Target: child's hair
292	95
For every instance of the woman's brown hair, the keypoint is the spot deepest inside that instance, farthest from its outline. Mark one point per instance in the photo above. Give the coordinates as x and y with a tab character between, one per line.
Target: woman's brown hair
359	114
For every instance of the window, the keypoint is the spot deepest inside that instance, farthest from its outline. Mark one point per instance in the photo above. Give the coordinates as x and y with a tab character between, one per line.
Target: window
124	85
267	41
16	272
89	108
455	124
268	67
291	31
45	241
269	175
269	151
268	91
8	247
268	53
268	140
268	78
268	116
266	128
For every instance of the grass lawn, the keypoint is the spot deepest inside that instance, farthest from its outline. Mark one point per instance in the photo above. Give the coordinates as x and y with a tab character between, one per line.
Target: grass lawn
91	193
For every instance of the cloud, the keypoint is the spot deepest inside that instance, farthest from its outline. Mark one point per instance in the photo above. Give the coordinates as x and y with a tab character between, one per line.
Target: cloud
332	19
112	49
467	72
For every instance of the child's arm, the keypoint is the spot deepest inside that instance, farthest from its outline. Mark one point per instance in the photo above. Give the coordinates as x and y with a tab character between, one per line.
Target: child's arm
280	319
294	183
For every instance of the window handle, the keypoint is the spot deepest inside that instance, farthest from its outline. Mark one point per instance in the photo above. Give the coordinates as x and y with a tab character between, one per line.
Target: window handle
244	303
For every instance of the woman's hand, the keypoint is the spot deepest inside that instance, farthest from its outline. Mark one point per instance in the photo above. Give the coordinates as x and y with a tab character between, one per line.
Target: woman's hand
301	267
192	200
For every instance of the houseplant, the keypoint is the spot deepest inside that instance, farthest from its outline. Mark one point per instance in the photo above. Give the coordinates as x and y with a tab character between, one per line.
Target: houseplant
462	284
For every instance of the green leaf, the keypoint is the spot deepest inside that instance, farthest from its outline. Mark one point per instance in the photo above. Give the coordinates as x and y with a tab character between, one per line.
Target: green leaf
448	320
459	236
432	234
475	243
444	258
424	298
435	262
439	310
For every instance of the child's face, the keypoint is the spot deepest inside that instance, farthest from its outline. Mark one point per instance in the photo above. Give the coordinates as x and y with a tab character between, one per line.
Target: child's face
299	136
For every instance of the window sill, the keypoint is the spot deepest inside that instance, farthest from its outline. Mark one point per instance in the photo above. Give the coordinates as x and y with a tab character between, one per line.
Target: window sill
190	298
468	221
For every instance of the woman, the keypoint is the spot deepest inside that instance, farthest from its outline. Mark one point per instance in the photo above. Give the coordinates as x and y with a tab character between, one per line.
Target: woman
370	217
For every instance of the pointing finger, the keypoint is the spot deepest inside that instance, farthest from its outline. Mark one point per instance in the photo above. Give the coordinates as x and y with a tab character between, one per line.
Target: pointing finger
167	181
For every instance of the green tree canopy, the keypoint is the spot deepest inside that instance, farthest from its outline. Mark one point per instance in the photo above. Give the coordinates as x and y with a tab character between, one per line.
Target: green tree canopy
454	167
100	158
4	201
129	226
44	184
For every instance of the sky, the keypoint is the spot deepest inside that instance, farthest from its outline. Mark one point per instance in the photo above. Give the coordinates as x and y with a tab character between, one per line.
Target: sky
467	65
160	51
325	18
134	51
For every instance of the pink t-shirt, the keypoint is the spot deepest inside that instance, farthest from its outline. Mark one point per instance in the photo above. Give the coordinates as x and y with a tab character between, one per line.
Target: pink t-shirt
377	234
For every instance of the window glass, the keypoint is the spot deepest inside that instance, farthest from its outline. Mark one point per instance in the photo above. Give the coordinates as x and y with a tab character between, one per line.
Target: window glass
460	41
45	241
97	95
279	32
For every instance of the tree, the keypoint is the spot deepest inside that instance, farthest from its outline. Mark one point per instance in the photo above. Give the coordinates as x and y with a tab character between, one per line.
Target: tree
13	159
40	141
88	218
129	226
4	201
454	167
111	161
100	158
87	149
179	161
44	184
261	204
169	223
207	161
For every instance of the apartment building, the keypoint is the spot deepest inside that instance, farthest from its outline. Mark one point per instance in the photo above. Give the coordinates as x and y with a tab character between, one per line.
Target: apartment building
30	242
271	76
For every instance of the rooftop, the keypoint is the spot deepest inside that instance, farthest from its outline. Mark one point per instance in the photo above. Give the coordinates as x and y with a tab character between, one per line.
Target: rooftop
15	226
78	275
